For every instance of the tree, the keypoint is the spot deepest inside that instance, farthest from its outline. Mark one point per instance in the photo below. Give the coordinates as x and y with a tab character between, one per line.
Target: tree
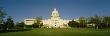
82	22
2	12
106	21
20	25
96	20
10	23
2	15
35	25
38	22
73	24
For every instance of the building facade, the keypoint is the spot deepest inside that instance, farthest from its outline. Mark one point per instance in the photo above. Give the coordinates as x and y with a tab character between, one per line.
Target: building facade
54	22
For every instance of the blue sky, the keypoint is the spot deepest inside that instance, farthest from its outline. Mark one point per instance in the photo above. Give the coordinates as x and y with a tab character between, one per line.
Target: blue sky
68	9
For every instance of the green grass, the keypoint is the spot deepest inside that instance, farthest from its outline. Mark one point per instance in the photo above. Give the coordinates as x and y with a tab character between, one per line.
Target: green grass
60	32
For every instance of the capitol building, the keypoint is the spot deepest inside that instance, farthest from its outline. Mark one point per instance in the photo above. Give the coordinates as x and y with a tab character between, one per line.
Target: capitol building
54	22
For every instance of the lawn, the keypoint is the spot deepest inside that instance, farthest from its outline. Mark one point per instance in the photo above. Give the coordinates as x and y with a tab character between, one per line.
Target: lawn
60	32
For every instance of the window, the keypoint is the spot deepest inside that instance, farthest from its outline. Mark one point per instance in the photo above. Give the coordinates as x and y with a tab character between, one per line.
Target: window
55	25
